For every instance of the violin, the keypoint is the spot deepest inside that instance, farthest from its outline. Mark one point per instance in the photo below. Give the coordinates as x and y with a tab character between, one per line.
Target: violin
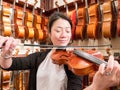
93	27
118	22
109	19
80	31
5	79
79	62
21	22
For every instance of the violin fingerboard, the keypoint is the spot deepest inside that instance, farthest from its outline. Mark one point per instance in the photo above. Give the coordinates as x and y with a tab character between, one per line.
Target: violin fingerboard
89	57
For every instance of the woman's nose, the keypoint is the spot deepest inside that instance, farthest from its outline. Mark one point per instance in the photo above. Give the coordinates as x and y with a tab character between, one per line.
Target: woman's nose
63	33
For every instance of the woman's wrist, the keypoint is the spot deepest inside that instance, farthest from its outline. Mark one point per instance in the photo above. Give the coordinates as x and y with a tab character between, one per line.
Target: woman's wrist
94	87
5	61
6	56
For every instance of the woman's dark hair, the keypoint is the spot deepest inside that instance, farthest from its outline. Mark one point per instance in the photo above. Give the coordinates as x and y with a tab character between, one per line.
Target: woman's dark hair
55	16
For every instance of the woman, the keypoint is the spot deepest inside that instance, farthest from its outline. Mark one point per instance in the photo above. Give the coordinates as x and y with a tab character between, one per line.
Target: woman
44	75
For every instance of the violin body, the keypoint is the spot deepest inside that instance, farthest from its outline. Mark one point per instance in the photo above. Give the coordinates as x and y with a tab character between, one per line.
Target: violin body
20	32
118	22
76	64
94	27
29	32
39	34
5	79
80	32
6	25
21	24
109	22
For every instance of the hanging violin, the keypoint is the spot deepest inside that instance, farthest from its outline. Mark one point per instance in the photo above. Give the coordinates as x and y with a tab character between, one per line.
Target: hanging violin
80	32
93	27
6	24
118	22
109	20
21	22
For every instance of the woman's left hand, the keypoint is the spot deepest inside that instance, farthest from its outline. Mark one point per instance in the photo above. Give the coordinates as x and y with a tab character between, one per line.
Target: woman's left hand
108	76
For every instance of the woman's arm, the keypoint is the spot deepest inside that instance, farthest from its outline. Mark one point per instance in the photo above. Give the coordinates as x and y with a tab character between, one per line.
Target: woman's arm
92	87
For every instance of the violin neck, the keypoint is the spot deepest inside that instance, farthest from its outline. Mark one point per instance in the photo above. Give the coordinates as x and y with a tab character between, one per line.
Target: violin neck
100	11
87	14
89	57
76	8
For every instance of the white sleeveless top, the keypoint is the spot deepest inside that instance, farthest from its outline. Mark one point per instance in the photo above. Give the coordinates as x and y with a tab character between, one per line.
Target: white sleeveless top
51	76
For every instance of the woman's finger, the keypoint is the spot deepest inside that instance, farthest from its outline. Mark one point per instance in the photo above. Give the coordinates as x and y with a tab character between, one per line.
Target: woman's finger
3	40
14	43
116	67
8	43
69	49
110	64
102	68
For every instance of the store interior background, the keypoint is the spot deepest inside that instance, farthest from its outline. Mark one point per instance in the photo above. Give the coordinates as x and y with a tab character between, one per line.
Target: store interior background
112	44
115	42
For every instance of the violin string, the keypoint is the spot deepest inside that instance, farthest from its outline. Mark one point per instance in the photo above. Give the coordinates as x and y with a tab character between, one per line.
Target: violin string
89	57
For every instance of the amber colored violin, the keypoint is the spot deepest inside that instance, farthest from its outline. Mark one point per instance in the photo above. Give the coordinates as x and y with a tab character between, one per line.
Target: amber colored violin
118	22
109	22
79	62
21	22
80	32
93	29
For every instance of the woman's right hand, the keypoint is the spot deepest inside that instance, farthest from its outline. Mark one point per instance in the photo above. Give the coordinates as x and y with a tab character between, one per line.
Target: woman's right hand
7	44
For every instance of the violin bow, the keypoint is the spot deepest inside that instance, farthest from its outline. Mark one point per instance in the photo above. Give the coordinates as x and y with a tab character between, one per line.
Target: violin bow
59	47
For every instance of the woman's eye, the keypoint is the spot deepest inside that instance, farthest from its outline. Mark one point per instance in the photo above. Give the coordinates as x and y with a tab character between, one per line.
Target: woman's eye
57	30
68	31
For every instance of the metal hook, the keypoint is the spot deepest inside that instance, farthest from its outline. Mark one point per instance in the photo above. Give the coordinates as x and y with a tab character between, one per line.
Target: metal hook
66	6
25	5
65	1
1	2
56	3
35	2
14	2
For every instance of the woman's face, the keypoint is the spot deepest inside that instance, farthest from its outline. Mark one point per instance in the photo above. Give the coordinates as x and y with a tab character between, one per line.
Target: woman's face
60	32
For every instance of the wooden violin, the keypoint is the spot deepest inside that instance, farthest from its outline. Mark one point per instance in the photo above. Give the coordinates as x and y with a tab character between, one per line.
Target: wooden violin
39	34
80	31
1	16
13	18
109	22
5	23
118	22
21	22
79	62
5	79
93	28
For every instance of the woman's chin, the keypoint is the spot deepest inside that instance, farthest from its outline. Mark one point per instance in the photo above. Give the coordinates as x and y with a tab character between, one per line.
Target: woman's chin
62	44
